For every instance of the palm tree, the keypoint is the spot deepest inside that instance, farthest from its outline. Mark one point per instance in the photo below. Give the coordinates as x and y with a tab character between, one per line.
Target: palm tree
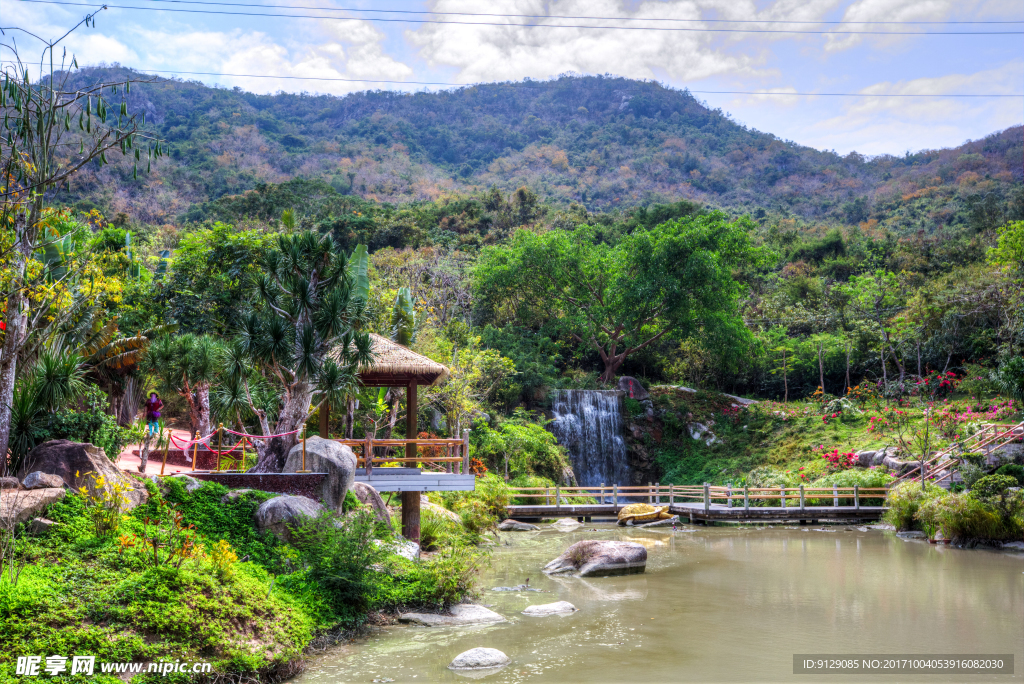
188	365
305	334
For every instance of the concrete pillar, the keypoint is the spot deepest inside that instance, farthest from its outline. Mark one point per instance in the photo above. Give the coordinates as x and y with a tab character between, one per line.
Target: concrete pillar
411	516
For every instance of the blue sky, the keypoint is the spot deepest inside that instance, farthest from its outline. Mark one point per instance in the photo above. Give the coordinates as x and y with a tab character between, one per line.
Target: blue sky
356	47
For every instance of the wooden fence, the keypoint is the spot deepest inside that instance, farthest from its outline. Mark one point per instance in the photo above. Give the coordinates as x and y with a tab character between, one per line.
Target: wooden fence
440	455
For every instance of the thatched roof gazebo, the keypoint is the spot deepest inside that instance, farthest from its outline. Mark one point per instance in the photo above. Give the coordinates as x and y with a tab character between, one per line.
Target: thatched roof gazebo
397	366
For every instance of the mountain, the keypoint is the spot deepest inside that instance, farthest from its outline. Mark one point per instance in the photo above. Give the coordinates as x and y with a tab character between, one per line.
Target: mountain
602	142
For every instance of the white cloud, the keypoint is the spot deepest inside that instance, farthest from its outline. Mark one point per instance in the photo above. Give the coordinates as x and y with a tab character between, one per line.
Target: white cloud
500	52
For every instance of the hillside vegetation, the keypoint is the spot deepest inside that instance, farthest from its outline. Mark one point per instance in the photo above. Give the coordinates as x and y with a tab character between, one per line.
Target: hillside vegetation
601	142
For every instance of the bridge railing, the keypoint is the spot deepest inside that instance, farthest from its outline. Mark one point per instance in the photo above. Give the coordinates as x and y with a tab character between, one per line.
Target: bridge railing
658	494
439	455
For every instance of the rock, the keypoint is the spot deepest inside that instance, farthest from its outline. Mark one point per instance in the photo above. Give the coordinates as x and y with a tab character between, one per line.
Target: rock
566	524
368	496
64	458
277	514
326	456
633	389
674	520
462	614
510	525
912	534
23	505
595	558
864	457
402	547
40	526
702	432
556	608
41	480
191	484
233	495
1014	546
441	511
518	587
478	659
9	483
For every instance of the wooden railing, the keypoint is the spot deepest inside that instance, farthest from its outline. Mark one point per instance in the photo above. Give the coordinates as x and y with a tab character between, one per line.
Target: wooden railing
991	435
455	460
658	494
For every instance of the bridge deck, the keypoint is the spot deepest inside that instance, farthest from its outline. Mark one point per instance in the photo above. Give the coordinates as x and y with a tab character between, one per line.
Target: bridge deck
696	511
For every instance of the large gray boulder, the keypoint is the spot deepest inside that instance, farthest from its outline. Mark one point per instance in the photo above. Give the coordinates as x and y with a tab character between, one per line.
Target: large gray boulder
596	558
544	609
22	505
462	614
368	496
41	480
326	456
277	515
510	525
478	659
72	461
633	389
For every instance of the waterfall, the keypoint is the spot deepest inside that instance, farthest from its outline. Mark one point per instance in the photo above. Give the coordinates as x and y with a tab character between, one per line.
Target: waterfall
589	424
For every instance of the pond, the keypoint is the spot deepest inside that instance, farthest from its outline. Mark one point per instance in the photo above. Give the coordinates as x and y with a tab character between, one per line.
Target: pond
717	604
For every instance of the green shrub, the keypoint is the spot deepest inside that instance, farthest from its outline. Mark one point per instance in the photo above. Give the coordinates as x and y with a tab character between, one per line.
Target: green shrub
964	519
1013	470
905	499
491	491
633	407
437	530
338	555
437	582
970	473
995	490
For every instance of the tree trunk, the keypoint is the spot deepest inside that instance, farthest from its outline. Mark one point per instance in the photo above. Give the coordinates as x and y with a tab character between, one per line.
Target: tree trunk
16	319
785	379
293	415
350	419
821	370
144	451
919	359
203	409
847	369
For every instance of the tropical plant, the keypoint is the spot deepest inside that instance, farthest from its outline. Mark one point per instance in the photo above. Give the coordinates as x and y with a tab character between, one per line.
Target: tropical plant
305	336
188	365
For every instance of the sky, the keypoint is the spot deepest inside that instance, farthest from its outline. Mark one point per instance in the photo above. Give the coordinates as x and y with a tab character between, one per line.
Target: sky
342	40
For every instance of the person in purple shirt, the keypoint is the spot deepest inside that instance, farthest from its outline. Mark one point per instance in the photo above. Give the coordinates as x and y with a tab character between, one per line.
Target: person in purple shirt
153	406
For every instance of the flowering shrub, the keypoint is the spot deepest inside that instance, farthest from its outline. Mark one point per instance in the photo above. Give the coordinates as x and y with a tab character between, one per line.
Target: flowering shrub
106	502
863	393
937	384
889	420
839	461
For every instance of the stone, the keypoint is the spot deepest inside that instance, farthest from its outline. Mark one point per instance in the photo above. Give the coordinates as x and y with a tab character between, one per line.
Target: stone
633	389
9	483
462	614
326	456
674	520
1014	546
566	524
912	534
191	484
278	514
864	458
556	608
23	505
596	558
518	587
368	496
41	480
401	547
64	458
441	511
479	659
233	495
701	432
37	527
510	525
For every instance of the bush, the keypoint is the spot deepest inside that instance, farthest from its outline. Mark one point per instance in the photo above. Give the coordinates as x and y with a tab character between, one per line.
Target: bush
1012	470
965	519
995	490
904	500
1010	377
339	555
970	473
491	491
437	530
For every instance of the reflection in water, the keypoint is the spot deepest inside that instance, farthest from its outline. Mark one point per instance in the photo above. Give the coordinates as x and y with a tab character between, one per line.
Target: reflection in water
716	604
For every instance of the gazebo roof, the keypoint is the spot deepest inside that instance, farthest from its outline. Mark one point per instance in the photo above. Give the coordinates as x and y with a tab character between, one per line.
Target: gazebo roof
397	366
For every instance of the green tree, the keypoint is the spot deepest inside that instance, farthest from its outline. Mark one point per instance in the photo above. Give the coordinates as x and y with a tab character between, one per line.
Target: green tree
676	278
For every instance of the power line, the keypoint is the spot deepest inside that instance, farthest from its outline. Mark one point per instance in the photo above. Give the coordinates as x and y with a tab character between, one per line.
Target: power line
673	29
562	16
543	83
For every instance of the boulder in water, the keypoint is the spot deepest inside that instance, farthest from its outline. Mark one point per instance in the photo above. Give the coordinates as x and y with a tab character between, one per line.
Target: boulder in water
556	608
478	659
510	525
462	614
595	558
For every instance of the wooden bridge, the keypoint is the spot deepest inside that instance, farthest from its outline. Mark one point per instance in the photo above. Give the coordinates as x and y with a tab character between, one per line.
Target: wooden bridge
695	503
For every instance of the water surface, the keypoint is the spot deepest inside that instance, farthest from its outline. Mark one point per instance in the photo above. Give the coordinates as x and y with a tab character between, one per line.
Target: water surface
718	604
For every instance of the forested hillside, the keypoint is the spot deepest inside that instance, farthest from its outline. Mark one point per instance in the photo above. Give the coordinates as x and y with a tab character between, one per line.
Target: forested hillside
602	142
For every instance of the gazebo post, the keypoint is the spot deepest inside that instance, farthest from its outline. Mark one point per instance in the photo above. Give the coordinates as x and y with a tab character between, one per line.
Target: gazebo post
325	419
411	500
